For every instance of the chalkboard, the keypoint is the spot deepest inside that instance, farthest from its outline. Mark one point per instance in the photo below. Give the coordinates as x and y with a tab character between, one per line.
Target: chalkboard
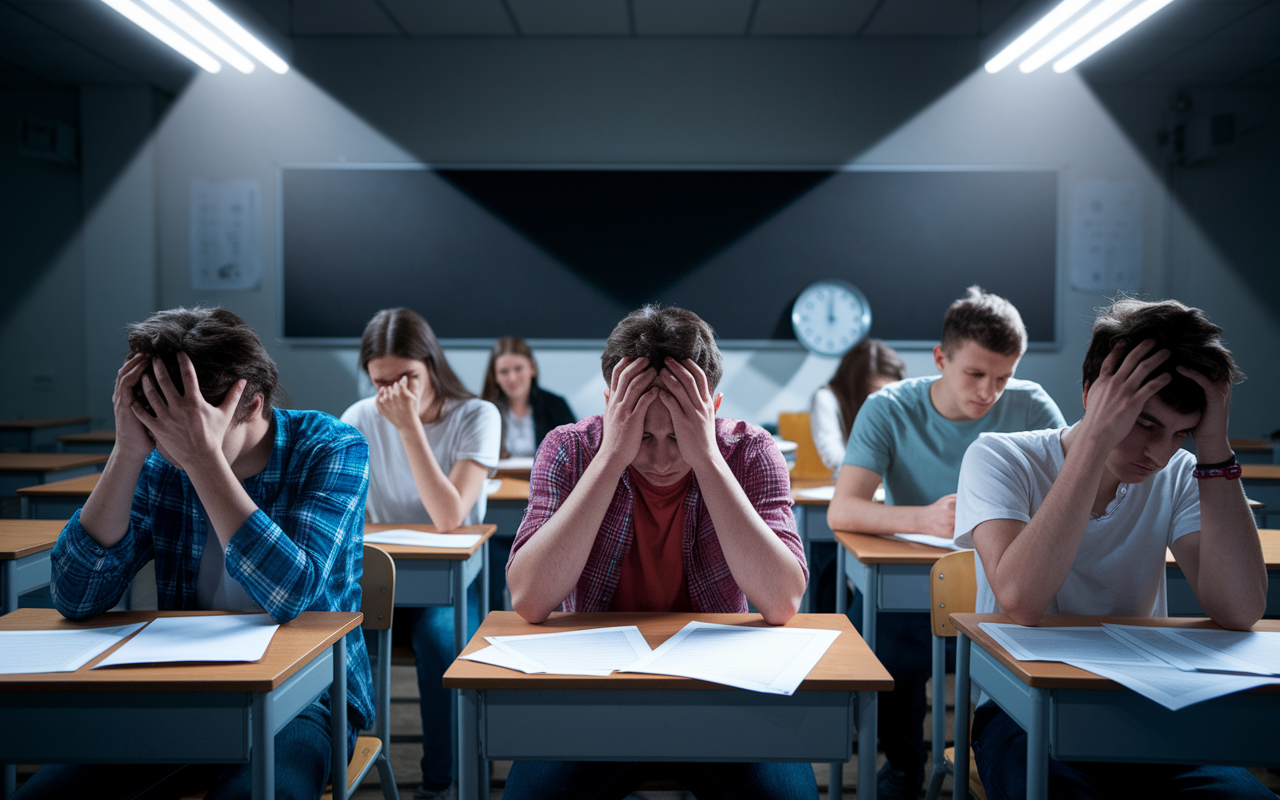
563	254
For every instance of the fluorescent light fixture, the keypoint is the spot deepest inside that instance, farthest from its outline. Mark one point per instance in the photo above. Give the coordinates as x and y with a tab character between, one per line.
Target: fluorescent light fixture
164	33
191	27
1074	33
1109	34
1060	14
239	35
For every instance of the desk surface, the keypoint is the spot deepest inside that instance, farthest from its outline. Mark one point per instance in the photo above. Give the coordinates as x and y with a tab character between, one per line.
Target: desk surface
35	424
1251	445
1260	471
71	487
1055	675
1270	549
48	462
849	665
872	549
512	489
92	437
20	538
799	484
294	645
408	552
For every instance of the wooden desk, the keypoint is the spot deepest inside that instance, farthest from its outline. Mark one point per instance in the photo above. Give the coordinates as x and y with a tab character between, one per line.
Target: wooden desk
18	470
505	510
57	499
101	441
222	713
24	557
633	717
1262	483
892	574
519	468
30	435
811	525
1253	451
1182	600
1075	715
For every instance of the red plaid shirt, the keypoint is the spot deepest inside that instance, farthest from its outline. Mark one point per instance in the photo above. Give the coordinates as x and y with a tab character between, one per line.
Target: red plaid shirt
754	460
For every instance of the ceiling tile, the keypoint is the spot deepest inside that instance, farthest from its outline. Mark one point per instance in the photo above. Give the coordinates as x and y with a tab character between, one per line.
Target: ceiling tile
692	17
1267	76
15	23
274	12
341	18
1261	23
572	17
811	17
1216	61
61	61
452	17
1132	58
994	12
1188	19
925	18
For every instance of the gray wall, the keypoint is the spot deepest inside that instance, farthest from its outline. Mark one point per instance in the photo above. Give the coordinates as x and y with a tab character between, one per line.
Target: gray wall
688	101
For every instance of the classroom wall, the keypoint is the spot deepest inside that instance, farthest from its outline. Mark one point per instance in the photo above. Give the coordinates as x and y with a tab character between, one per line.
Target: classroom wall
687	101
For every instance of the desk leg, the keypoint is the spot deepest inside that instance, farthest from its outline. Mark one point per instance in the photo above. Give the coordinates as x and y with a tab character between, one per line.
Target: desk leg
483	588
870	603
26	509
338	720
264	749
842	582
938	715
802	528
8	586
866	746
469	785
10	780
960	776
1038	747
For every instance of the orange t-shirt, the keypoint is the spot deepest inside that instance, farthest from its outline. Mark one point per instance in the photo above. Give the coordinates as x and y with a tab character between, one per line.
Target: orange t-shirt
652	576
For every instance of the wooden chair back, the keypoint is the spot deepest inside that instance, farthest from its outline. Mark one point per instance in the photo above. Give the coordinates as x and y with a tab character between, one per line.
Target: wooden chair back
794	427
378	589
953	589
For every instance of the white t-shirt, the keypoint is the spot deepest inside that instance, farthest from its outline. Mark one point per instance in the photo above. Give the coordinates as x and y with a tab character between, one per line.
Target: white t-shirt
826	429
1119	568
520	435
467	429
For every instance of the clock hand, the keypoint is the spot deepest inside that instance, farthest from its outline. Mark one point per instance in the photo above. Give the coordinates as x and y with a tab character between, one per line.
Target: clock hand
831	310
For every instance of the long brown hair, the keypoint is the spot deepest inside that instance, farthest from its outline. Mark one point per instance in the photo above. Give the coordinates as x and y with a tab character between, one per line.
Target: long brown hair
403	333
505	346
870	358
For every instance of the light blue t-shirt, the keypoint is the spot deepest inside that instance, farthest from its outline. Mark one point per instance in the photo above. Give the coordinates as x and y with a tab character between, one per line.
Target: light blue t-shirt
900	436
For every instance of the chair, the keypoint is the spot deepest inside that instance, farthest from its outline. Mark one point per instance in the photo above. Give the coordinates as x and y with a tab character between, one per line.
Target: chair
953	589
794	427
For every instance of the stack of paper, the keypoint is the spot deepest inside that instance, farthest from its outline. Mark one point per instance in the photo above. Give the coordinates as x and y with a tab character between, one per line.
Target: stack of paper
598	651
461	541
57	651
1176	667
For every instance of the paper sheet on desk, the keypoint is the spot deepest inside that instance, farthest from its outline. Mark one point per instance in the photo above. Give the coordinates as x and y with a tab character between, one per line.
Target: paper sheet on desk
1171	687
461	541
818	493
516	462
1093	644
222	637
932	541
596	651
492	485
1190	649
57	651
772	660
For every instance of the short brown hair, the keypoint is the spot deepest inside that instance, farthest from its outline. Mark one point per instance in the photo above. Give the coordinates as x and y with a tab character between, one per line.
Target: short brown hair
402	332
1191	339
868	359
987	319
655	333
222	347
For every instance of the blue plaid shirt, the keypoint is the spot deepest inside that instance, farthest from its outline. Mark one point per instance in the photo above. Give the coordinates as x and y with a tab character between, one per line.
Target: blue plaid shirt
300	551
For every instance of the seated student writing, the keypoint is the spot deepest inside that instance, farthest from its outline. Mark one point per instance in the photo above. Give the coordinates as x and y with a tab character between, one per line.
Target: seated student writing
1076	521
243	507
912	435
659	506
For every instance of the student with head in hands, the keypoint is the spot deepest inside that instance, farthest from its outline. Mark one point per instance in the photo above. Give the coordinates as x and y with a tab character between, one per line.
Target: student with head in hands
431	446
1077	520
695	511
868	367
242	506
912	435
529	412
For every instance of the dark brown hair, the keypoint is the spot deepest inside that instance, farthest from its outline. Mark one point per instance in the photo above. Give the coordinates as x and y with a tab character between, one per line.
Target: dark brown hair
987	319
1191	339
403	333
505	346
868	359
222	347
654	332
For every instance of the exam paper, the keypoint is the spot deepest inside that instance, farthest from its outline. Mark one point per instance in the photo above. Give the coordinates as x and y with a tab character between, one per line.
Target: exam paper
224	637
1095	645
818	493
596	651
498	658
492	485
1170	686
933	541
461	541
1250	652
772	660
516	462
57	651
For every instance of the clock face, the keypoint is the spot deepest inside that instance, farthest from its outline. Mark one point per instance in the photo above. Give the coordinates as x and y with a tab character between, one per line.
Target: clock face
830	317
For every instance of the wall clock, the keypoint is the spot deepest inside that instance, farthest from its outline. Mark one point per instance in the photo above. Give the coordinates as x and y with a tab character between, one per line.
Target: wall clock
830	316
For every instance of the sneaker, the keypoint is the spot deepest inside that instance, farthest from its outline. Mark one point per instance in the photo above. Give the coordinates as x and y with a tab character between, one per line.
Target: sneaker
894	784
447	793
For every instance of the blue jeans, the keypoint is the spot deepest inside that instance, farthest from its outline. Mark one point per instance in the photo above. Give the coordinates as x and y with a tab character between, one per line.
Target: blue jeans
433	650
606	780
904	644
1000	748
303	756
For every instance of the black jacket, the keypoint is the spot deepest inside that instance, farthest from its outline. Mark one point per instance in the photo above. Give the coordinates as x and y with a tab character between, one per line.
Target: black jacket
549	411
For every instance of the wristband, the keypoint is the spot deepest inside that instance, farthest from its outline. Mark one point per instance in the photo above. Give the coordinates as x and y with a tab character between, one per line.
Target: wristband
1228	469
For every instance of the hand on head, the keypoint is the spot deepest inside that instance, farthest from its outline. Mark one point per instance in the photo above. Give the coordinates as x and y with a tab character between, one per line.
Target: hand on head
185	426
685	393
399	403
131	435
1114	401
1217	405
626	401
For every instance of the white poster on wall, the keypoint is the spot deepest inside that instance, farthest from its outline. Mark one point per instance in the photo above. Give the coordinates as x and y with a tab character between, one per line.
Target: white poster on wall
224	234
1106	236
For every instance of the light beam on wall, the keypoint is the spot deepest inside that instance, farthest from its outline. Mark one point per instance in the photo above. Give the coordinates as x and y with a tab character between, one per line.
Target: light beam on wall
201	34
1078	27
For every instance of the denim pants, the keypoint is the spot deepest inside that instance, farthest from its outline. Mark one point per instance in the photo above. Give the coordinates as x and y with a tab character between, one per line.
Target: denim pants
1000	748
606	780
433	650
303	756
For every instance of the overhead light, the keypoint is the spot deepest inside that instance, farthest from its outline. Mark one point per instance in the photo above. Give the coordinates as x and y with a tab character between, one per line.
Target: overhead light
239	35
201	34
164	33
1109	34
1074	33
1060	14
